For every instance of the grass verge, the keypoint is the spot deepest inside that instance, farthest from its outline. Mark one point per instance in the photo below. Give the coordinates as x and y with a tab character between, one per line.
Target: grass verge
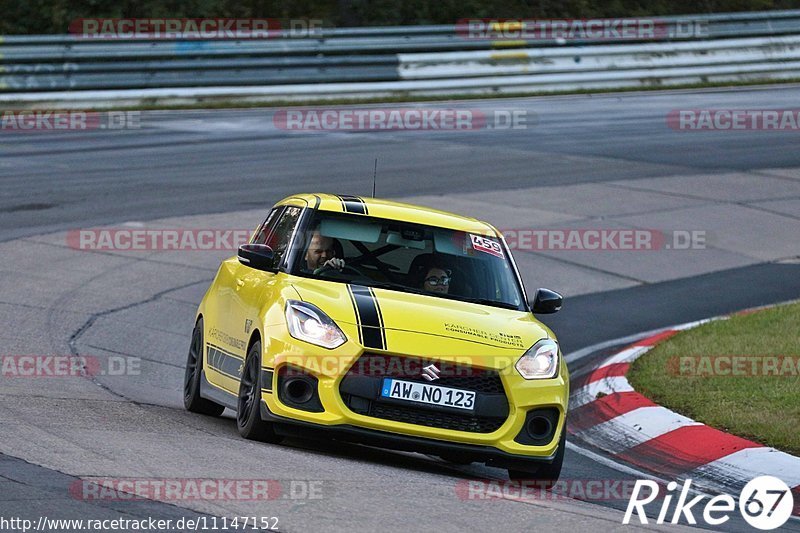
740	375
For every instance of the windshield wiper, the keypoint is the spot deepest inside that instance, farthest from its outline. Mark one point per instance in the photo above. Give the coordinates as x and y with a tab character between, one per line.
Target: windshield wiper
396	286
403	288
487	301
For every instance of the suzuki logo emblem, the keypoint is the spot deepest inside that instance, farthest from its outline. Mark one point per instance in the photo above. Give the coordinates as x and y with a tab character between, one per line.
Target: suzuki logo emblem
430	372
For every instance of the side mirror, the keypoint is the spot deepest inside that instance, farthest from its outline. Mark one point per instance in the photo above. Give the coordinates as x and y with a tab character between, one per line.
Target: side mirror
547	301
258	256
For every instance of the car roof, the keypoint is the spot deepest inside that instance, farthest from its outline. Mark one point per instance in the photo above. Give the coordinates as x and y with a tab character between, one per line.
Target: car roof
388	209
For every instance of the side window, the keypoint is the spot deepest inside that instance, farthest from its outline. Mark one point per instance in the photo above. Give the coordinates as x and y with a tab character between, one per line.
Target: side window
282	234
267	226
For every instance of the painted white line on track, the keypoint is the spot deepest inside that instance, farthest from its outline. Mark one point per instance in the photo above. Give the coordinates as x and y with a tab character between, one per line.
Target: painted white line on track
628	355
583	352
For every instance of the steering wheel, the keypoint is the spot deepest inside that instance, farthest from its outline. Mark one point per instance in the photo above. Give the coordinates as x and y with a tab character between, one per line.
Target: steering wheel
344	269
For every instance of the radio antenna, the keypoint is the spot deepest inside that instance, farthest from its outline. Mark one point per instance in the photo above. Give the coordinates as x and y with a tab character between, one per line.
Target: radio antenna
374	177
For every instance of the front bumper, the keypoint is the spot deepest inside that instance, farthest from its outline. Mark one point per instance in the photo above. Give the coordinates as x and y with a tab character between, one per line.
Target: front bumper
482	454
339	421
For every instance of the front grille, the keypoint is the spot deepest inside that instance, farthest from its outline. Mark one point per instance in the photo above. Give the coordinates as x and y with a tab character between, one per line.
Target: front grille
454	375
360	391
486	382
413	415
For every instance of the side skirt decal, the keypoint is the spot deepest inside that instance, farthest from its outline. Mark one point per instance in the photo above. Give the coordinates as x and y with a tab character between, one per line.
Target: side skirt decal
230	365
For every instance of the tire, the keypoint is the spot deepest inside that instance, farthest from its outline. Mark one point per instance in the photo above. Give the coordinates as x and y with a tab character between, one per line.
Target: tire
248	414
191	380
546	472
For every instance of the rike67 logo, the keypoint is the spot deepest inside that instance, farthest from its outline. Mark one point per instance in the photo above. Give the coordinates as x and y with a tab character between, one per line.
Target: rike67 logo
766	503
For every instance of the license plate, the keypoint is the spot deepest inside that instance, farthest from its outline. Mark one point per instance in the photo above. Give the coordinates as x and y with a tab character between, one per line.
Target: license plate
431	394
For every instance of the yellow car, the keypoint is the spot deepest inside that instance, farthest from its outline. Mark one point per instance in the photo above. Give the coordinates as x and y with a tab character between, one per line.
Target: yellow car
384	324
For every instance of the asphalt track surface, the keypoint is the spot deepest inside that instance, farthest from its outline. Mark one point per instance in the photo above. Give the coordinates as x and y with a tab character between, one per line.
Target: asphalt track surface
191	162
200	162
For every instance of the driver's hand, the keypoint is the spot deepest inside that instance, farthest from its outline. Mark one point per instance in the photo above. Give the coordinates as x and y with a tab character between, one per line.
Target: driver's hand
330	264
335	263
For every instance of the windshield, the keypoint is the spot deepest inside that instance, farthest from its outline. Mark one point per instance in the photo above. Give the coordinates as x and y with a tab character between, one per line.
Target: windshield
408	257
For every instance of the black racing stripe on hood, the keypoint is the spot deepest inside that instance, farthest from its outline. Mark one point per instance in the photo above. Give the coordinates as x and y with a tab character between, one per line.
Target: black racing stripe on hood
355	309
370	320
380	316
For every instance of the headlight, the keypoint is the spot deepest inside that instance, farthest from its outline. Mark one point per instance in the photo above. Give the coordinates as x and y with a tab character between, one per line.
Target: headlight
540	361
308	323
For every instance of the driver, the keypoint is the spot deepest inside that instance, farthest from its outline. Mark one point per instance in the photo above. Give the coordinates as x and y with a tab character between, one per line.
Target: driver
320	255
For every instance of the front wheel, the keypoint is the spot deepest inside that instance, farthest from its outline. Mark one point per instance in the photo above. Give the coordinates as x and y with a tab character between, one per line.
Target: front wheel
194	372
248	414
548	473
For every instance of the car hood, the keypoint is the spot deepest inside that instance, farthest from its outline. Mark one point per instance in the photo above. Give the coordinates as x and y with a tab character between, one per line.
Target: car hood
503	330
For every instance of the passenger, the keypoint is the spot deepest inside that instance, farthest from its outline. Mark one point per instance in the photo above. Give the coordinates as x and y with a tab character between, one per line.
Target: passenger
437	279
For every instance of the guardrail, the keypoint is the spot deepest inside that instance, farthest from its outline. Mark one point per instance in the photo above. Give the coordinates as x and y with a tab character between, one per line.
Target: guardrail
399	60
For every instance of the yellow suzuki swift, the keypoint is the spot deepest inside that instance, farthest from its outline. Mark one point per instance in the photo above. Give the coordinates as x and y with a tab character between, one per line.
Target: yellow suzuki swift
384	324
